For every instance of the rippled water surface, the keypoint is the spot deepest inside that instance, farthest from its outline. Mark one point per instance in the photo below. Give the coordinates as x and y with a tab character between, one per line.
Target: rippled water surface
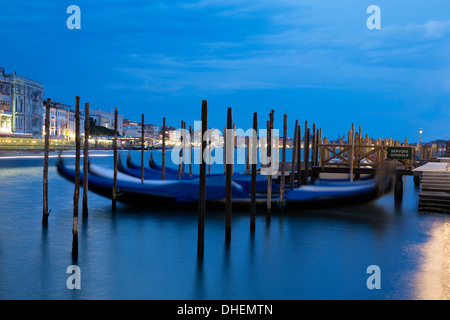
151	254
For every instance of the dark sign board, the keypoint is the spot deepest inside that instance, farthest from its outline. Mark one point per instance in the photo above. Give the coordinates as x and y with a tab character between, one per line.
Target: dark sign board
399	153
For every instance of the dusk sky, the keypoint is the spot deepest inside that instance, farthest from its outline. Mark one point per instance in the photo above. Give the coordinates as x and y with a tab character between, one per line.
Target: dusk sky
314	60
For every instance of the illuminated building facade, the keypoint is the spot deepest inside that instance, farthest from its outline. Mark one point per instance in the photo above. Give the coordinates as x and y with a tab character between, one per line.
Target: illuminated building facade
5	104
20	111
62	121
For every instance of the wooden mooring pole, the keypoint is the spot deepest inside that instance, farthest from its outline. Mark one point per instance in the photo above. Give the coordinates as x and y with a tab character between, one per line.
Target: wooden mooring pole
142	148
184	148
254	163
46	212
180	155
351	139
299	155
270	160
294	155
230	161
114	191
190	151
163	174
86	160
76	193
202	186
398	192
306	154
283	163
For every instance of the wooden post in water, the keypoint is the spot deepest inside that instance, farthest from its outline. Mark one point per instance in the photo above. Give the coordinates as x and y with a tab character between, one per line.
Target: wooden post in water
180	155
294	155
114	191
142	149
86	159
269	156
313	145
316	157
254	162
306	154
190	151
283	163
163	161
229	160
398	192
202	186
76	193
184	148
352	150
46	212
299	156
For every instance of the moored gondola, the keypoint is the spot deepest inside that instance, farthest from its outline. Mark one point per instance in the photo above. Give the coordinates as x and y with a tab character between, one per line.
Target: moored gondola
184	193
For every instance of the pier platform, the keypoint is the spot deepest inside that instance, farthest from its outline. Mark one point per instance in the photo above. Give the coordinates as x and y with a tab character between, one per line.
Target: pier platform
435	186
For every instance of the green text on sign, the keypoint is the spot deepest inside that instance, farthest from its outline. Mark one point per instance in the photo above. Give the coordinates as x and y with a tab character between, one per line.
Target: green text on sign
399	153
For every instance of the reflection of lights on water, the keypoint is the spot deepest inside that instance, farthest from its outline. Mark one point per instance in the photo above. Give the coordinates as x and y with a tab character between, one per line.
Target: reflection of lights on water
432	281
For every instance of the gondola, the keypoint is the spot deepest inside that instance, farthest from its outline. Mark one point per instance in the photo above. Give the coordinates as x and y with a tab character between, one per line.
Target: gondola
155	172
184	193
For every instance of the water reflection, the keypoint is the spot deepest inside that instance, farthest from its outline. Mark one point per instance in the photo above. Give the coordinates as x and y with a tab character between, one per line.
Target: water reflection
432	281
147	253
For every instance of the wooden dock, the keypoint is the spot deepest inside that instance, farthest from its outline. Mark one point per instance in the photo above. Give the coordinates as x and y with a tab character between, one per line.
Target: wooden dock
435	186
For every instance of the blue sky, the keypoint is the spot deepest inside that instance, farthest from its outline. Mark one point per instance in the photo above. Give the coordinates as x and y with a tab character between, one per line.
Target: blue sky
314	60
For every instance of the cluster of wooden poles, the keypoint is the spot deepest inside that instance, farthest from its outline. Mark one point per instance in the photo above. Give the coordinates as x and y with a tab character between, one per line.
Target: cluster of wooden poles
46	211
297	176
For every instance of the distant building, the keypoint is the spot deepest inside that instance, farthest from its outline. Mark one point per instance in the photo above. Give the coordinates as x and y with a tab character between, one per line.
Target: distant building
128	122
62	121
21	111
171	135
106	119
151	131
132	131
5	104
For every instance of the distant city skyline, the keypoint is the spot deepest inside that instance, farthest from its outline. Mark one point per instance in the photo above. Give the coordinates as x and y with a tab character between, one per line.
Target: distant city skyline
314	61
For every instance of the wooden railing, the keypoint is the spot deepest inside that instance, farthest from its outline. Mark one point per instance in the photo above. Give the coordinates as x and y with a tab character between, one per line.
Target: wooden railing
359	156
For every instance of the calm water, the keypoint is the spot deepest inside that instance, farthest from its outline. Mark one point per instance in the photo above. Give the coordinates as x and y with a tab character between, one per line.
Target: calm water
147	254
